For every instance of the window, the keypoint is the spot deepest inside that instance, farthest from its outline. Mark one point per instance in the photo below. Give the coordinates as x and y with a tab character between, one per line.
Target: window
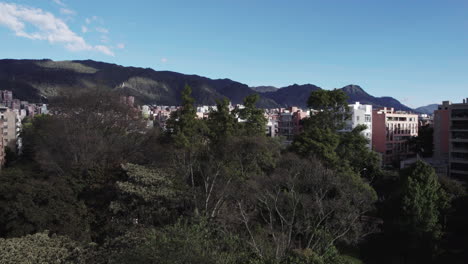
367	118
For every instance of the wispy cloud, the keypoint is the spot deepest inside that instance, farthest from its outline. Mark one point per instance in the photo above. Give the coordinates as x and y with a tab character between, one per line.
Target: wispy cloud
84	29
121	46
104	39
66	11
90	20
102	30
59	2
104	49
46	27
164	60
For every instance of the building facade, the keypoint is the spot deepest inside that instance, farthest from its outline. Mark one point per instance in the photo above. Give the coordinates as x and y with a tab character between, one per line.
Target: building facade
391	131
451	137
289	122
441	131
458	159
2	148
9	127
360	115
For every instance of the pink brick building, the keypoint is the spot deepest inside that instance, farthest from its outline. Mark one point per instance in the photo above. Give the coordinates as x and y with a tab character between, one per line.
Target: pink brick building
451	137
391	131
441	131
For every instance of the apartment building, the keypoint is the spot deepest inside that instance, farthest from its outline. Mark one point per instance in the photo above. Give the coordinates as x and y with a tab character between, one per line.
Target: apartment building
2	148
10	129
289	122
451	137
458	142
441	131
360	115
391	131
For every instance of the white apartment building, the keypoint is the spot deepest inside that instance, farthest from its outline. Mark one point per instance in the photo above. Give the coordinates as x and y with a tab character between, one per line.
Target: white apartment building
361	115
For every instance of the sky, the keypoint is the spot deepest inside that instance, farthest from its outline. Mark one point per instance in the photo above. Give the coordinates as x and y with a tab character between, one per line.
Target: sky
413	50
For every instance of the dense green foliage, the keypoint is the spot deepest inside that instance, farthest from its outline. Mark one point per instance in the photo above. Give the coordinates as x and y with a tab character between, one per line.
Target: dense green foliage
95	185
423	143
422	201
42	248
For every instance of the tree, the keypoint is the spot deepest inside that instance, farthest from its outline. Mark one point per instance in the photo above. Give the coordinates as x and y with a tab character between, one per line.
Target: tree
319	137
254	117
318	142
353	152
422	201
196	243
221	122
88	137
83	144
45	248
188	139
147	197
302	206
332	107
423	144
183	127
32	202
413	219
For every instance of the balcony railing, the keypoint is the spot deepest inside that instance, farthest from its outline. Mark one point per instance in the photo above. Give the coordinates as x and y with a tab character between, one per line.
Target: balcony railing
459	127
460	150
459	160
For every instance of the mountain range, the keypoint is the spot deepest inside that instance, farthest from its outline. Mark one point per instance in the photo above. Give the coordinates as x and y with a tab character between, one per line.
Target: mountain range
38	80
428	109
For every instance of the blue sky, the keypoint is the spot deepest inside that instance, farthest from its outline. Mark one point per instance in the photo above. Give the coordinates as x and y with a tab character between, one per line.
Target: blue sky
413	50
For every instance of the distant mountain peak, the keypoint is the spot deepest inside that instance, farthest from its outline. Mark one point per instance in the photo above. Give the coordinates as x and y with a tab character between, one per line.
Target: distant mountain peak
354	89
427	109
31	79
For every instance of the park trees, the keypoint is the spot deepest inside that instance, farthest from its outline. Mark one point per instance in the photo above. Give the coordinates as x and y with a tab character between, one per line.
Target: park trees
254	119
146	197
422	201
324	137
303	206
45	248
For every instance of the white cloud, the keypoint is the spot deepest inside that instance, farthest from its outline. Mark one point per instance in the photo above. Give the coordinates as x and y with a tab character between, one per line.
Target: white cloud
84	29
46	27
121	46
104	49
59	2
66	11
102	30
164	60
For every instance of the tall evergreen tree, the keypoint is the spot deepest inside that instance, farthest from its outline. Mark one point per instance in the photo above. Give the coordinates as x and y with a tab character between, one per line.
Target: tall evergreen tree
422	201
222	123
320	137
254	117
332	107
183	126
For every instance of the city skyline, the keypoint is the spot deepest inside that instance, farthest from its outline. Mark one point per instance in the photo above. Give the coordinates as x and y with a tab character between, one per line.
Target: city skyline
415	52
